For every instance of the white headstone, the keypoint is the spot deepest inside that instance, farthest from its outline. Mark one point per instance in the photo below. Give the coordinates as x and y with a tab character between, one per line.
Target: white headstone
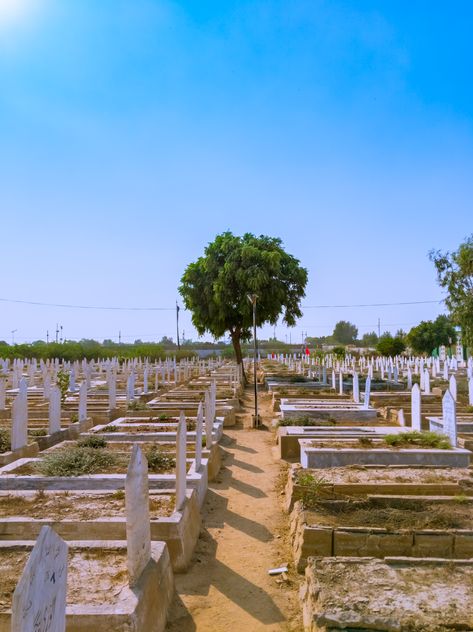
340	387
453	387
449	417
39	600
366	400
3	388
112	391
209	420
19	431
409	379
181	463
138	529
83	402
356	388
470	391
54	410
415	408
198	437
400	417
426	382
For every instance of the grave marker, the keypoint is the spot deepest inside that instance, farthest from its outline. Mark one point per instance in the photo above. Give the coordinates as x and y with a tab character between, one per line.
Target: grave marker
415	408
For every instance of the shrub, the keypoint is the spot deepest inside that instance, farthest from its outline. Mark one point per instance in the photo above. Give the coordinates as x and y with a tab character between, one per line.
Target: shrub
62	381
163	417
137	405
92	442
312	487
5	445
422	439
110	429
305	421
38	432
75	462
159	461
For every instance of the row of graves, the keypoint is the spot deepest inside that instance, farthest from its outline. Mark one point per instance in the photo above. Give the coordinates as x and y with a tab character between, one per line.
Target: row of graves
380	489
104	471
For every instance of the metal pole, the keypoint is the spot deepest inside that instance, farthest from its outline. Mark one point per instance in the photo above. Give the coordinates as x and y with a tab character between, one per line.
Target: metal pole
177	325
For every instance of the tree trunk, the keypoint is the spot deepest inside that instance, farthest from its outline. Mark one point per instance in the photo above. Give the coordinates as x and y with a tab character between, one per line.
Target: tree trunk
235	336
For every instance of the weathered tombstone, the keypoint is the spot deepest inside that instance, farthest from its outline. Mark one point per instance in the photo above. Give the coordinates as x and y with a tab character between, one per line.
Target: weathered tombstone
181	463
54	410
366	400
145	381
470	391
83	402
72	381
340	387
356	388
209	420
324	374
198	437
415	408
449	417
39	600
445	370
138	529
334	381
453	387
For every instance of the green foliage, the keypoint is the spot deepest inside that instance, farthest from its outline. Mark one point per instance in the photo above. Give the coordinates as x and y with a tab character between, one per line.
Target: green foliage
370	339
215	288
305	421
5	445
37	432
422	439
75	462
110	429
431	334
92	442
163	417
339	352
365	442
345	332
313	487
62	382
455	274
137	405
159	461
389	345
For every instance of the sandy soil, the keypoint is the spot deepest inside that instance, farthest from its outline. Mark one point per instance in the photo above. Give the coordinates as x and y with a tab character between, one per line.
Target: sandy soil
244	535
368	474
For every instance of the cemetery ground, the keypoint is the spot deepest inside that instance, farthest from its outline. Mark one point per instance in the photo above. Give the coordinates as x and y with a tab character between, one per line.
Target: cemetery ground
245	533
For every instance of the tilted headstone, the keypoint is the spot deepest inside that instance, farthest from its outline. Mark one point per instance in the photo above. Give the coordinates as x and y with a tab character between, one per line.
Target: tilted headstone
181	463
39	600
415	408
138	529
54	410
449	417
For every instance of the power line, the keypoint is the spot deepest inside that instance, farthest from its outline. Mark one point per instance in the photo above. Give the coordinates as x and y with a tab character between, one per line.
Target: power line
167	309
131	309
371	304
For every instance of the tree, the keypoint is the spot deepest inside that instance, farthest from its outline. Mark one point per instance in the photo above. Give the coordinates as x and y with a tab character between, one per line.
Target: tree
370	339
431	334
216	287
345	332
389	345
455	274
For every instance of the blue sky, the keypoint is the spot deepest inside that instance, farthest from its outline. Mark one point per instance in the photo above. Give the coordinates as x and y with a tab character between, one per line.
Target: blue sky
133	131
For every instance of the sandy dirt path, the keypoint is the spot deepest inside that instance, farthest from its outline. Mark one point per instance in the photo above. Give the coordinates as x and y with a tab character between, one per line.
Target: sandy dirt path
244	534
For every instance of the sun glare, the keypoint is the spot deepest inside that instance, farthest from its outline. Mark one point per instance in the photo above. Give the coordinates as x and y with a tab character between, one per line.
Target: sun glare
12	11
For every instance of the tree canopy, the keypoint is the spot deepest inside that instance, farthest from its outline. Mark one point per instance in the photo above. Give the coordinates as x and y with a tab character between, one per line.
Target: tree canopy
431	334
455	274
215	288
345	332
389	345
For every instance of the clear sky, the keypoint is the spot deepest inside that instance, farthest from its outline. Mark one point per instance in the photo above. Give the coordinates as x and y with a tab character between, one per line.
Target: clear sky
133	131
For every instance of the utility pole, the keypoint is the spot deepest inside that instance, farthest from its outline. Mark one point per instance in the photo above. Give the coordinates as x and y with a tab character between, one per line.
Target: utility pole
120	337
13	336
47	336
61	335
177	325
57	333
379	327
